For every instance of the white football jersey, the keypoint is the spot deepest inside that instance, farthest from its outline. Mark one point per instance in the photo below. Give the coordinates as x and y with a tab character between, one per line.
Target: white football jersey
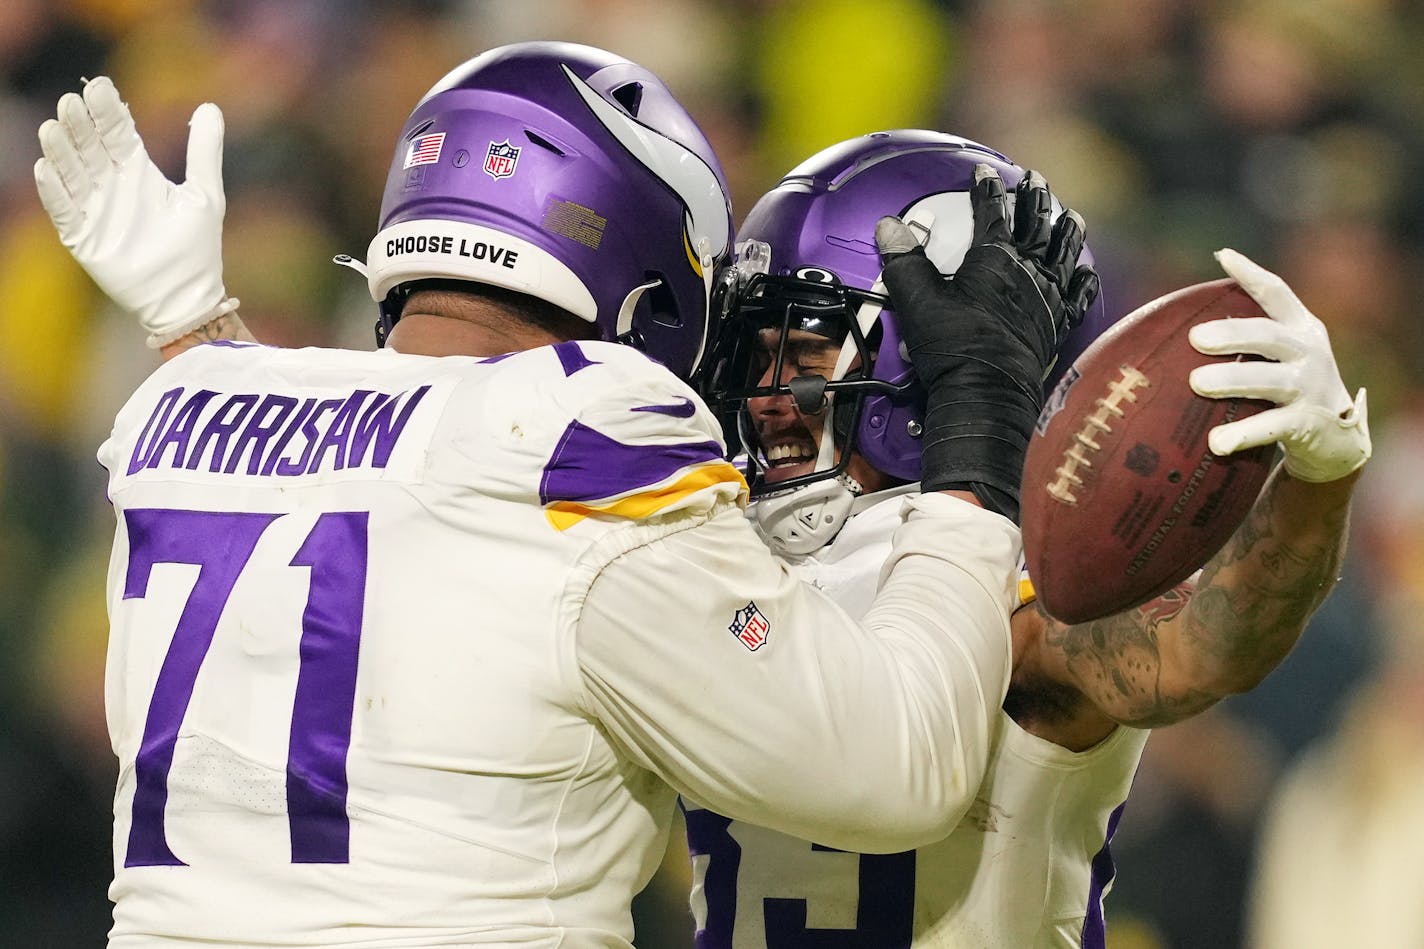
1027	868
411	652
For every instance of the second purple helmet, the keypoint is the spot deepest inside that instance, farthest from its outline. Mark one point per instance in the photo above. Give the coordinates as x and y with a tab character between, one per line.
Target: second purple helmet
567	173
807	260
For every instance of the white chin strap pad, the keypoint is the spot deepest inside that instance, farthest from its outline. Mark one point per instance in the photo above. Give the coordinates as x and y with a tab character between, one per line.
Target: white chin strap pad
806	519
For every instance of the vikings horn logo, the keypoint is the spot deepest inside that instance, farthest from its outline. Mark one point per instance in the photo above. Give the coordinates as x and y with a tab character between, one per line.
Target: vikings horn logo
704	232
694	182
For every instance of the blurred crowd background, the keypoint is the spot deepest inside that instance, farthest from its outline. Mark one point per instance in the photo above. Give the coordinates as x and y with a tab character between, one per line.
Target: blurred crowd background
1292	130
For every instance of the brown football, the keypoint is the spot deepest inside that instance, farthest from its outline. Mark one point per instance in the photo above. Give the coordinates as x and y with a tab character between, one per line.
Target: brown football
1122	499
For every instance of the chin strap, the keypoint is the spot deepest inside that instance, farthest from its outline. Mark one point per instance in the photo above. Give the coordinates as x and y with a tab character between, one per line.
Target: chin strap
803	520
386	318
623	326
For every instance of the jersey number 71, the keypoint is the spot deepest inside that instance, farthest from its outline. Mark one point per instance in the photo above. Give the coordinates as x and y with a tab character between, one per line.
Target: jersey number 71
220	545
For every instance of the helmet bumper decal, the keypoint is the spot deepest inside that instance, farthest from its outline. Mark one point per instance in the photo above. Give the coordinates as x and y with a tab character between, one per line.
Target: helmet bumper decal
457	250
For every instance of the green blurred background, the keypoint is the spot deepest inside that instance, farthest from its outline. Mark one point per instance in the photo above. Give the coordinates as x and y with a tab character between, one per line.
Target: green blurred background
1292	130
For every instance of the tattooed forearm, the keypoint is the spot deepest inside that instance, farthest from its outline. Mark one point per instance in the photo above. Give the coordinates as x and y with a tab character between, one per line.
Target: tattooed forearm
1179	654
229	326
1255	597
1116	662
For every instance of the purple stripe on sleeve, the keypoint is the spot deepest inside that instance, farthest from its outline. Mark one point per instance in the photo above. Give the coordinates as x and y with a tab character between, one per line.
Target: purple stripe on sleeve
589	466
572	357
1094	926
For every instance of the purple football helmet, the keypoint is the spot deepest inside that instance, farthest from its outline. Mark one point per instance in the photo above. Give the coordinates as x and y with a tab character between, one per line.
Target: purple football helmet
567	173
806	261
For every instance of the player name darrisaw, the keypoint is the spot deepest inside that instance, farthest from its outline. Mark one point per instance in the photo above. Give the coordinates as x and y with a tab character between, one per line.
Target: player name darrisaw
271	433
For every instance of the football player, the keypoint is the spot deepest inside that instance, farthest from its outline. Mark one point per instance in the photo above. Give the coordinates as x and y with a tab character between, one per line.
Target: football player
416	647
810	311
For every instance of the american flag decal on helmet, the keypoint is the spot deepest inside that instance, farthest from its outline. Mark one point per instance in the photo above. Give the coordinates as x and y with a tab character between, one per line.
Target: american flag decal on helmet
425	150
751	626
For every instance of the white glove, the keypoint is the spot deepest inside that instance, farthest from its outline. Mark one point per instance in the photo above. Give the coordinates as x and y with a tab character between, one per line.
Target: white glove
154	247
1325	434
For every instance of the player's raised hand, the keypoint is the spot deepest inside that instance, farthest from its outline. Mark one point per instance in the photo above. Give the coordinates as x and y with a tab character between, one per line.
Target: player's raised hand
155	247
1021	275
1324	432
983	340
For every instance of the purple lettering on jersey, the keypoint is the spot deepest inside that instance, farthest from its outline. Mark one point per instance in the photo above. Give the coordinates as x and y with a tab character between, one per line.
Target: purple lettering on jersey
276	454
220	544
185	420
359	429
219	430
268	418
339	431
885	909
885	895
1095	934
377	424
588	465
157	422
707	837
326	688
571	357
311	433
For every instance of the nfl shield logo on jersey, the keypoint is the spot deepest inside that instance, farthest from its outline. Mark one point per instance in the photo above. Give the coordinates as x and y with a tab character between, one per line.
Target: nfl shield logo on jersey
501	159
751	626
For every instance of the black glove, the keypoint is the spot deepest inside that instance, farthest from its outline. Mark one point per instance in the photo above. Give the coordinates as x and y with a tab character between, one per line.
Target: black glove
983	340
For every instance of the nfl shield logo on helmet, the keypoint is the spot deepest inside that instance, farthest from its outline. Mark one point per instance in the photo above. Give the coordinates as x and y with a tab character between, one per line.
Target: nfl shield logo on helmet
501	159
751	627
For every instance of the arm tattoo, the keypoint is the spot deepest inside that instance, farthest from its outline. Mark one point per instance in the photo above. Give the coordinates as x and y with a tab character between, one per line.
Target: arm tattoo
1179	654
1255	597
1116	661
229	326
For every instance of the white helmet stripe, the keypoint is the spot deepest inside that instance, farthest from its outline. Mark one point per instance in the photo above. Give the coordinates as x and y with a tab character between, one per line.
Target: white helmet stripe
695	183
